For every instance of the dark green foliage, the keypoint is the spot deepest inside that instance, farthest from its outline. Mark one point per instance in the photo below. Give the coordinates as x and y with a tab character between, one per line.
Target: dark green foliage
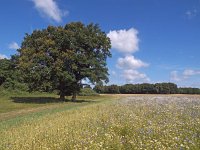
99	88
10	76
58	58
166	88
87	92
6	70
112	89
189	90
146	88
14	85
128	89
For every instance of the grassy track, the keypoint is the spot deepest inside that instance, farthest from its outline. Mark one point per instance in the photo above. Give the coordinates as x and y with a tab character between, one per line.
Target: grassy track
132	122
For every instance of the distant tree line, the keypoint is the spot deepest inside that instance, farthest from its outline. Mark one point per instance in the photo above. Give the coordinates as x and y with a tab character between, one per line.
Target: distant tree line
189	90
145	88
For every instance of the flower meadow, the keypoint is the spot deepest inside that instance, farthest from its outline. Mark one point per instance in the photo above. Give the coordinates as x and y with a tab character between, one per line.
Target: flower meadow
132	122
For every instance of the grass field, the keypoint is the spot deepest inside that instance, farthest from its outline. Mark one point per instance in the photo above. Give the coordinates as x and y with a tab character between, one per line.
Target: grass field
100	122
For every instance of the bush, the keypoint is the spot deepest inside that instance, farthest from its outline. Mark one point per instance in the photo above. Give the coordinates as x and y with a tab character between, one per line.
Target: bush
14	85
87	92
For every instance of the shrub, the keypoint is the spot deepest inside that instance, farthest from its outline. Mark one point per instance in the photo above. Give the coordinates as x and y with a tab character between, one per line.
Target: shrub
87	92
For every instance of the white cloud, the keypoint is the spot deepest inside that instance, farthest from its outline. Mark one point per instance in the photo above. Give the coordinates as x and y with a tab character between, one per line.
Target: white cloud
135	76
113	73
125	41
13	45
130	62
189	72
50	9
174	76
195	84
3	56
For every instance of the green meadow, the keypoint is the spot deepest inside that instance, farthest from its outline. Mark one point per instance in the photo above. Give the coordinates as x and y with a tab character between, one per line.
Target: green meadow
40	121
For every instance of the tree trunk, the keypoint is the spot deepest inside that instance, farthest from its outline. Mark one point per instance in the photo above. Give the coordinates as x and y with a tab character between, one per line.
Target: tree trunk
62	91
74	97
62	96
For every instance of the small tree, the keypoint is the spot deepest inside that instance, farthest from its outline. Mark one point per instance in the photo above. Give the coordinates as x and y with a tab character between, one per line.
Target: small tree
10	77
60	57
5	70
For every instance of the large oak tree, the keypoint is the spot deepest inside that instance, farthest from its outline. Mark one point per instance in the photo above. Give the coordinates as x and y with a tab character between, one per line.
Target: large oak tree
59	58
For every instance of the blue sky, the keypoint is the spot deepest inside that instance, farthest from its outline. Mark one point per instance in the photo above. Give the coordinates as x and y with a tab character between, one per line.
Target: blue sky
152	40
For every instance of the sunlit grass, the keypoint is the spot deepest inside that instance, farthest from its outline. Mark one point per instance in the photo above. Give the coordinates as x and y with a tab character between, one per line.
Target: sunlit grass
140	122
7	104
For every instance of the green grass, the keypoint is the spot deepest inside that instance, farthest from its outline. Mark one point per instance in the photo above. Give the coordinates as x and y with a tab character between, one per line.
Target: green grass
107	122
17	107
13	101
7	104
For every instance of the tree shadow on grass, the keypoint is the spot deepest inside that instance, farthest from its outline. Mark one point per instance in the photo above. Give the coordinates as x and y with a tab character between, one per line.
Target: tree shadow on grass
44	100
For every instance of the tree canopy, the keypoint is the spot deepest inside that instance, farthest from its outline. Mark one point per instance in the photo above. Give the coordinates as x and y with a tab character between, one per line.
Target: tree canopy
146	88
59	58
